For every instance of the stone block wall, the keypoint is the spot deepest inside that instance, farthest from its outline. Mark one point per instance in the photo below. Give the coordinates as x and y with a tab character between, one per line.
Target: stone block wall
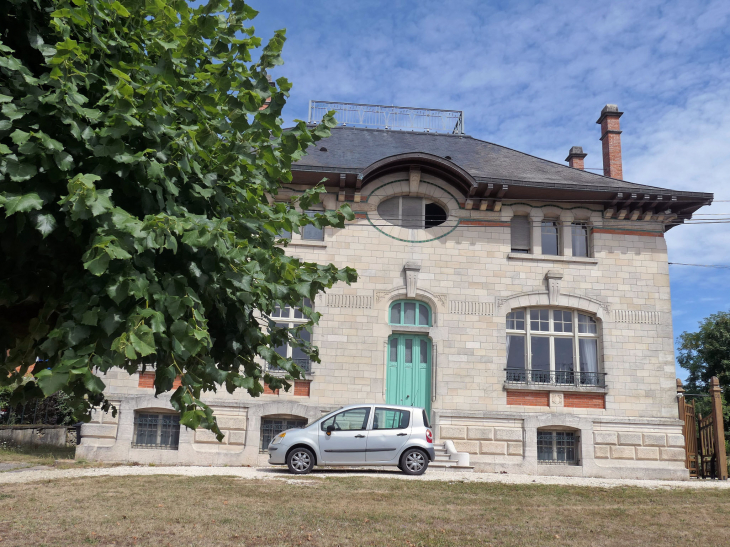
635	445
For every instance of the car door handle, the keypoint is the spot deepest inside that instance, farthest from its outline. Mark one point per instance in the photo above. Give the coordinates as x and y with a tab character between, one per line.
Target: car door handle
401	434
359	436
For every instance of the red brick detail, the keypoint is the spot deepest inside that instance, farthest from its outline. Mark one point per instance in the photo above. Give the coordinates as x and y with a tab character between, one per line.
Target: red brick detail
627	232
611	142
361	215
482	223
584	400
528	398
147	380
269	391
301	388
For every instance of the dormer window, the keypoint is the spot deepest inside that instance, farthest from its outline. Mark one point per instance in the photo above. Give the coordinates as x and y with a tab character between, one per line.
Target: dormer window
412	212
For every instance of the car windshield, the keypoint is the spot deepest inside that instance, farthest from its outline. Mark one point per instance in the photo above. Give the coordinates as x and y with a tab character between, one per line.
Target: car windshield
322	418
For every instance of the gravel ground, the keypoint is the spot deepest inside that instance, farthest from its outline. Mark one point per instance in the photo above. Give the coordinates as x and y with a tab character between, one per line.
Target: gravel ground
278	473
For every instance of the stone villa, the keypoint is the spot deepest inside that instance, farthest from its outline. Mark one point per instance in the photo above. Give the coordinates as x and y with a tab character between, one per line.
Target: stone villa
524	303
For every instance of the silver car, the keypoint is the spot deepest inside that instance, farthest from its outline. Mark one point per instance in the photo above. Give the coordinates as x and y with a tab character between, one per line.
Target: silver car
359	435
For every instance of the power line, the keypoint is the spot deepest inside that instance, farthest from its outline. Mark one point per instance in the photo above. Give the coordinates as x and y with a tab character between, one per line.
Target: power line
719	266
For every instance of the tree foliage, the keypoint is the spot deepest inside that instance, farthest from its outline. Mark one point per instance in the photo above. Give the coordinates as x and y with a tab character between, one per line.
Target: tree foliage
139	142
706	353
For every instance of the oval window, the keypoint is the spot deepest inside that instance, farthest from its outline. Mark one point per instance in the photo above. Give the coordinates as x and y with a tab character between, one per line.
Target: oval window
412	212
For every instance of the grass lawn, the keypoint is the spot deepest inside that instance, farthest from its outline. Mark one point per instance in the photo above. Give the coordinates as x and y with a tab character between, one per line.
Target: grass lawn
185	511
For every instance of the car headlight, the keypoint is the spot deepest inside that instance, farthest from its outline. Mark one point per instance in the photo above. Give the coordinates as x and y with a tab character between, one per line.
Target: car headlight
278	438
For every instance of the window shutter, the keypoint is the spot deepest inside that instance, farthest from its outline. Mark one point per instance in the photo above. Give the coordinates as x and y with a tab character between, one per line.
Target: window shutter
520	233
412	212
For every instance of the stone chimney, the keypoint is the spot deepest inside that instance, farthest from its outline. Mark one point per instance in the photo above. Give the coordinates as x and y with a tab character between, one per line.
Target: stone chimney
575	158
611	140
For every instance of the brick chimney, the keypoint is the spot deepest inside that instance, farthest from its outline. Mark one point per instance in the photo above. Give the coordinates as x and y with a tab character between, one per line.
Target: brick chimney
575	158
611	139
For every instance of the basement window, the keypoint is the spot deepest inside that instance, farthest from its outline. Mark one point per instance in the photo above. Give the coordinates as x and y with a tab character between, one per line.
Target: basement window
557	448
153	430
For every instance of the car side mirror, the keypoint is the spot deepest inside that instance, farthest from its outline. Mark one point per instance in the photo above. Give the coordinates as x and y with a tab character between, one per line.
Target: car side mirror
330	429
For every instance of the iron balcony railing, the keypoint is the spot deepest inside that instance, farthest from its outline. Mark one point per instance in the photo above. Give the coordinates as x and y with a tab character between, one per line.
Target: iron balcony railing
304	364
555	377
376	116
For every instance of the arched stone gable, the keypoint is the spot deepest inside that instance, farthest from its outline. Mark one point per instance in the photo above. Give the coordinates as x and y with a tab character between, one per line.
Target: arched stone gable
428	163
565	300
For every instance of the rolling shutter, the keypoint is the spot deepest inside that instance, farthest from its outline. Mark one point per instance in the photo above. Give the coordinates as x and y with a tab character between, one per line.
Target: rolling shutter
520	234
412	212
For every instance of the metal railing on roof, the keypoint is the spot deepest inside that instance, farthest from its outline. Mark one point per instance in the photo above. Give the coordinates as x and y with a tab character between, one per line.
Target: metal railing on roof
374	116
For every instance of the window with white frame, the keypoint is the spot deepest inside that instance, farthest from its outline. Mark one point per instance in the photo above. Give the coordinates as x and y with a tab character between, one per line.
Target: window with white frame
553	346
557	447
580	239
550	237
291	318
156	430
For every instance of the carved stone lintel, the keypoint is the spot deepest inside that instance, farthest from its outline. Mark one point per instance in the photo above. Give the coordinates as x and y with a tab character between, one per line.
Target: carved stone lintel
554	278
411	269
379	295
442	298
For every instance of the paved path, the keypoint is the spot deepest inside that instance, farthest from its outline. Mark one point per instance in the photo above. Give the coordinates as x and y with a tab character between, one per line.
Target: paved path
278	473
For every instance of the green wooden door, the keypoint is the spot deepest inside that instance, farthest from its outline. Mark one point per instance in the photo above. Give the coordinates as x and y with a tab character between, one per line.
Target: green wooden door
409	371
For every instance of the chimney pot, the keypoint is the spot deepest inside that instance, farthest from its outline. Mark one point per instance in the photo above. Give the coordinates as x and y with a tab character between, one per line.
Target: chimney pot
611	141
575	157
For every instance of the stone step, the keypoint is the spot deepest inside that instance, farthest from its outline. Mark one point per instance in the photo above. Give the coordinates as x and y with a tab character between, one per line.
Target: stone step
450	466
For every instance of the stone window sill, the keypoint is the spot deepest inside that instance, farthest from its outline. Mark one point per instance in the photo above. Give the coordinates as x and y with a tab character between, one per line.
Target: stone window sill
307	243
563	388
410	329
552	258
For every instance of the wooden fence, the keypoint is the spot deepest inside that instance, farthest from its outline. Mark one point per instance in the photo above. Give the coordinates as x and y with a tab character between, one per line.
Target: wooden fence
704	438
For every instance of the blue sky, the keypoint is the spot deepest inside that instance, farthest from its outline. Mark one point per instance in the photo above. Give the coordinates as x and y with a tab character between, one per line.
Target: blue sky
534	76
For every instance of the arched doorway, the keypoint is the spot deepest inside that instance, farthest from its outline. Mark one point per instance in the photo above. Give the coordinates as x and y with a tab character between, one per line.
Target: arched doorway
408	379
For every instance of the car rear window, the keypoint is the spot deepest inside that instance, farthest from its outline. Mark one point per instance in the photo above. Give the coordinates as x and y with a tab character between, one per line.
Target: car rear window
425	419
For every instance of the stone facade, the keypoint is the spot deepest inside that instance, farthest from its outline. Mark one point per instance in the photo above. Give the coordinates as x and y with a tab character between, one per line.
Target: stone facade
471	280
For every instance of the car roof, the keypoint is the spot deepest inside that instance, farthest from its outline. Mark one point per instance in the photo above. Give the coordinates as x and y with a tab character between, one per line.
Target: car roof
399	407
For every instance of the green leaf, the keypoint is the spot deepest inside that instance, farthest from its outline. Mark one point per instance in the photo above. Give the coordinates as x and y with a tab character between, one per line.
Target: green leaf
19	204
99	264
20	172
51	382
93	383
63	160
120	9
44	223
19	137
144	347
91	317
120	74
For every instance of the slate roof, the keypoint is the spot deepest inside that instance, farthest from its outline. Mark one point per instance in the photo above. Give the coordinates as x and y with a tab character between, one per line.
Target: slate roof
351	150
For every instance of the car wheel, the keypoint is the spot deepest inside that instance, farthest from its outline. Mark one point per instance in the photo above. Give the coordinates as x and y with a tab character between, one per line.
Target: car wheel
414	462
300	461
